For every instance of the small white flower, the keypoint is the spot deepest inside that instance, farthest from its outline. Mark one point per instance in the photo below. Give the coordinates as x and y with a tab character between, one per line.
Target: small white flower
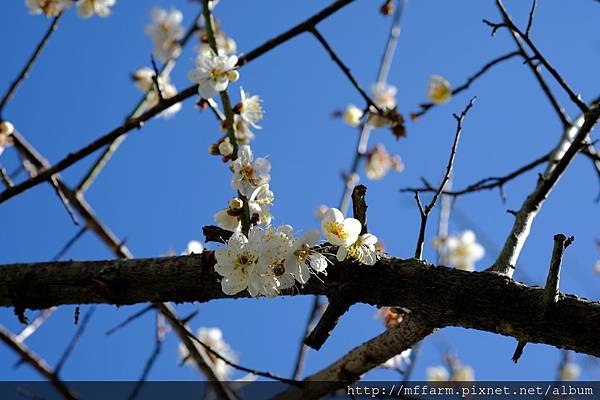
271	275
229	218
193	247
439	91
460	252
260	203
166	32
399	361
144	81
249	174
362	250
384	95
303	258
213	73
437	374
352	115
237	262
250	108
340	231
569	371
213	338
225	147
379	163
87	8
48	7
6	130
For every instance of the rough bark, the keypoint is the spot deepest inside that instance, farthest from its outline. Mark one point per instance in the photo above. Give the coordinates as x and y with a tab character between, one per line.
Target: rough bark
480	300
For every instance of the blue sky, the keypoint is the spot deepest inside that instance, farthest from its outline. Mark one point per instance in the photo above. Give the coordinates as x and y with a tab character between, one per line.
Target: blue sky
162	187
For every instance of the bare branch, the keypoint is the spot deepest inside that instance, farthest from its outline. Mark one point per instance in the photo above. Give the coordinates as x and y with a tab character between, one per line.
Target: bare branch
23	74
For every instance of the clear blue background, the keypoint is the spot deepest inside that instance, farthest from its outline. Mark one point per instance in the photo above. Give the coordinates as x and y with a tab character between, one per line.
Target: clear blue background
162	187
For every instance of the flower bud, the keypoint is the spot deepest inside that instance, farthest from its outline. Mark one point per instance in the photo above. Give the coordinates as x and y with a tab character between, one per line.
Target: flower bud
233	75
225	147
235	204
6	128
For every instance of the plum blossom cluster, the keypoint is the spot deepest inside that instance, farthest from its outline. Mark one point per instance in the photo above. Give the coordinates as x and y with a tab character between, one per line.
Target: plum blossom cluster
457	372
460	251
85	8
270	260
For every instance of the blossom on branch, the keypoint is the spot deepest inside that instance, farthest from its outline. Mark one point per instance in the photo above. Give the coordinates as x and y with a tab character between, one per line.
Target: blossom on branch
247	113
166	32
303	259
249	174
362	250
87	8
340	231
237	262
439	91
193	247
213	73
352	115
50	8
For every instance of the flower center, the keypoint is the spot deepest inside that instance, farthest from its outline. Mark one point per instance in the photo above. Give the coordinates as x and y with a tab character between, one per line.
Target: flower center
302	253
337	229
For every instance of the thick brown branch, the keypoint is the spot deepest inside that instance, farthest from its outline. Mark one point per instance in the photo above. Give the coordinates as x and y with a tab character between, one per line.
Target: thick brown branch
478	300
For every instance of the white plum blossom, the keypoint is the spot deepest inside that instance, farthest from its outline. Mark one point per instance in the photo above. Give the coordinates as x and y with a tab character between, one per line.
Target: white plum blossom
144	81
439	90
237	262
193	247
379	163
50	8
569	371
302	258
352	115
87	8
437	374
225	147
399	361
213	73
260	203
6	131
270	275
460	252
247	113
249	174
340	231
229	218
384	95
166	32
213	338
362	250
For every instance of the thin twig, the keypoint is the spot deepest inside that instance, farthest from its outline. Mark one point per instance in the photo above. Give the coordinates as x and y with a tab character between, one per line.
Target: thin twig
36	362
158	341
424	211
336	59
483	184
530	20
510	24
425	107
24	72
5	178
70	243
129	320
155	78
75	339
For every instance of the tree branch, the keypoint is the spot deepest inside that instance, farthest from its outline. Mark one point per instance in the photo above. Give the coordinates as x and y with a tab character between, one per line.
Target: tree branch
477	300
